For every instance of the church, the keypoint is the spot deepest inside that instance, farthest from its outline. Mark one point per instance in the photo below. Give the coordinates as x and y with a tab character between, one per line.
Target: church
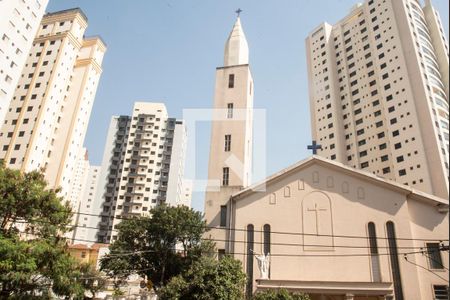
317	227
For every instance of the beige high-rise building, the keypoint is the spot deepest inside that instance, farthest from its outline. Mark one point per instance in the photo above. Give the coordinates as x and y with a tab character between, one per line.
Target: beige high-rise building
47	120
378	84
19	22
230	158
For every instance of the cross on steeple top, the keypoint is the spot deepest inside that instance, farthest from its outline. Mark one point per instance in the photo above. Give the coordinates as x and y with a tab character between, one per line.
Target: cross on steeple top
238	11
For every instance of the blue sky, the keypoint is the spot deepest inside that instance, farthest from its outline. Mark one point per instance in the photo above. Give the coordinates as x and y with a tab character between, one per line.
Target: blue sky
167	51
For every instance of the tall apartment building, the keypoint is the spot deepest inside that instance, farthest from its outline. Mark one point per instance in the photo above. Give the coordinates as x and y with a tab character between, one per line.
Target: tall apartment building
143	161
88	211
19	22
46	122
378	84
79	179
176	184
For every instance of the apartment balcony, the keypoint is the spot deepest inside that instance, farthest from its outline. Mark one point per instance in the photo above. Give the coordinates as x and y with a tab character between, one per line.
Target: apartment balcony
133	184
135	174
132	194
139	156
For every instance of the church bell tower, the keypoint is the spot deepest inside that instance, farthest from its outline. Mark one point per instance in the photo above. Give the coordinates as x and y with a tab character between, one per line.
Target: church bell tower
230	158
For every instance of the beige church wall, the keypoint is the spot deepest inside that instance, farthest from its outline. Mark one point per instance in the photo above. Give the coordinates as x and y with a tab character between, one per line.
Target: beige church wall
423	220
354	202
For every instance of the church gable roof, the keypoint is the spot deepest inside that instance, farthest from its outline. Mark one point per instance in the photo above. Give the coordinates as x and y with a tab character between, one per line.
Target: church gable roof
374	179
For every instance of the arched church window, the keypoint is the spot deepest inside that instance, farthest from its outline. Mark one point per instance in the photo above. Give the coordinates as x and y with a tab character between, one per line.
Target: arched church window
266	230
395	265
272	198
287	191
374	255
249	266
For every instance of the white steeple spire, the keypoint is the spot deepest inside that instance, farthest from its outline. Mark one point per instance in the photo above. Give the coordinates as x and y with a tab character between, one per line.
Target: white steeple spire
236	47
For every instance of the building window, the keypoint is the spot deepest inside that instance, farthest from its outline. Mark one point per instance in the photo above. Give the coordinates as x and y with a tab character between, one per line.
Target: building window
225	176
231	81
266	230
434	256
230	110
249	265
266	250
440	292
223	215
376	274
395	265
227	142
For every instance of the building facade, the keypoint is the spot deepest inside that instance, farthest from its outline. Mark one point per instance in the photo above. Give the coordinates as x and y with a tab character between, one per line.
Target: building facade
79	179
176	184
230	158
143	164
19	22
378	89
336	232
46	122
88	209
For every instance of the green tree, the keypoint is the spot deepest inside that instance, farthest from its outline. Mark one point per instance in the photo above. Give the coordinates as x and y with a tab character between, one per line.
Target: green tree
207	279
25	198
92	280
281	294
34	261
147	245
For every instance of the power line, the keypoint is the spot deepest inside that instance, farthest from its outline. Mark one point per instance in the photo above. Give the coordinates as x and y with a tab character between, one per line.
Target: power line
260	243
405	254
260	231
422	267
278	232
434	260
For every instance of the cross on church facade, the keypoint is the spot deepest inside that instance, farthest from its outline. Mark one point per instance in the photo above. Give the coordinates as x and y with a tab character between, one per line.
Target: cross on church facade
314	147
238	11
316	210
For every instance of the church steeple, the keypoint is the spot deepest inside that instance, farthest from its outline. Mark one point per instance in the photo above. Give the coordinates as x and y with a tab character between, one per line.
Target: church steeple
236	47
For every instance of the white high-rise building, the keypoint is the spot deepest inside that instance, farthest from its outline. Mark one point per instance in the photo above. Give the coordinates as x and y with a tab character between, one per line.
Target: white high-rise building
187	191
79	179
230	157
176	184
46	122
19	22
88	212
378	84
143	165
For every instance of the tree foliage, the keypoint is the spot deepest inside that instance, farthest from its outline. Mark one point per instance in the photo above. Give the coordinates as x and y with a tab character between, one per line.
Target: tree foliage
25	198
33	256
150	245
207	279
92	280
281	294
